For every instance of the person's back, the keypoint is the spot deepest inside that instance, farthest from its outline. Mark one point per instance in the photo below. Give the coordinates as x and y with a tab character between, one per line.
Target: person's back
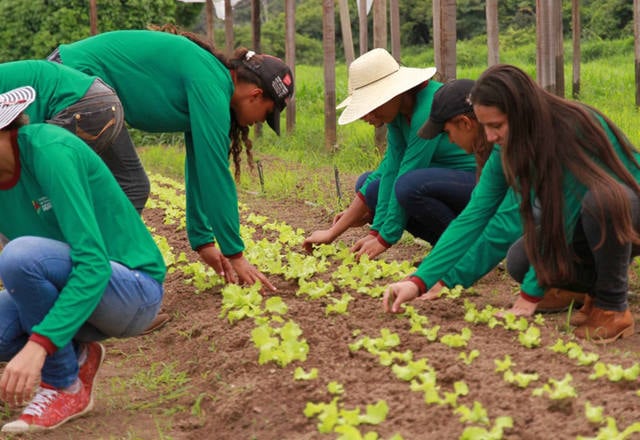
57	86
152	72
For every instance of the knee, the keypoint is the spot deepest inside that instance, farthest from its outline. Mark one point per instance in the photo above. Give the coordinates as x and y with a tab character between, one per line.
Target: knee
404	190
517	262
361	180
18	254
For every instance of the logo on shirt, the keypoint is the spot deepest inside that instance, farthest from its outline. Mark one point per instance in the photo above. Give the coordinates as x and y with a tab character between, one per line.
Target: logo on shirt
43	204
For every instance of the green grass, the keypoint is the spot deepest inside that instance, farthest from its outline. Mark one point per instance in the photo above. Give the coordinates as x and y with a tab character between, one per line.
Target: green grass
607	83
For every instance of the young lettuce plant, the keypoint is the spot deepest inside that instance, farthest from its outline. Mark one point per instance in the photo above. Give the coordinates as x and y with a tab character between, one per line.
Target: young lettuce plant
615	373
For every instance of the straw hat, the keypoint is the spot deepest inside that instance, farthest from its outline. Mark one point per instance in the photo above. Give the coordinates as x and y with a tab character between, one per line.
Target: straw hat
13	102
375	78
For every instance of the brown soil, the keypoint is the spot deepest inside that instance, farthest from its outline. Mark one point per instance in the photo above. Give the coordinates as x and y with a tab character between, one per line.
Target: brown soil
199	377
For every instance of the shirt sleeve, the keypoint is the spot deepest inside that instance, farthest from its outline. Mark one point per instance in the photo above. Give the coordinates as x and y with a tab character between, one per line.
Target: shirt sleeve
388	171
212	200
463	231
502	231
67	186
418	154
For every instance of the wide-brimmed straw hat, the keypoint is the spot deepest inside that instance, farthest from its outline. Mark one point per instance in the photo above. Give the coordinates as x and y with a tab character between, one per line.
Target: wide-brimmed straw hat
375	78
13	103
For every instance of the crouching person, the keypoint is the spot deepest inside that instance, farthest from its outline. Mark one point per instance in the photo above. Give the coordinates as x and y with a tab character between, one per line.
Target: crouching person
80	266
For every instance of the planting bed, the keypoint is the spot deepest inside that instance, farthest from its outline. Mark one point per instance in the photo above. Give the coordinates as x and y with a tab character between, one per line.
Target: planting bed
200	377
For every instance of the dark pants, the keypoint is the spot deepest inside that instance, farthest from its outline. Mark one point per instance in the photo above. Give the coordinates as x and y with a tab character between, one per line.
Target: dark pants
98	119
602	271
431	198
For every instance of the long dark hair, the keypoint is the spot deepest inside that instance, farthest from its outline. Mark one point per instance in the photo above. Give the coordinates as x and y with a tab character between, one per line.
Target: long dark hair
238	134
549	135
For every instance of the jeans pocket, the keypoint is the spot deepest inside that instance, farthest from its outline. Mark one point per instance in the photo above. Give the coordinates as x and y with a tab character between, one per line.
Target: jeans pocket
98	127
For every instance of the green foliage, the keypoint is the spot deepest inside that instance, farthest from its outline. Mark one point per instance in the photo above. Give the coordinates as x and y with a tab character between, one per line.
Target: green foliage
36	27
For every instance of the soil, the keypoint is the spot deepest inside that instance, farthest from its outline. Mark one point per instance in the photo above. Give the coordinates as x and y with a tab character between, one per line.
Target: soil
198	377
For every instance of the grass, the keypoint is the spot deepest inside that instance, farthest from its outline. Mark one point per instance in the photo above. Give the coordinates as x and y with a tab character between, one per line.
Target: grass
305	166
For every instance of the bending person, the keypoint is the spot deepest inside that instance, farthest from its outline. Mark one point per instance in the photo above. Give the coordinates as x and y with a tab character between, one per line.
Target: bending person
576	175
80	266
170	83
445	266
422	202
87	107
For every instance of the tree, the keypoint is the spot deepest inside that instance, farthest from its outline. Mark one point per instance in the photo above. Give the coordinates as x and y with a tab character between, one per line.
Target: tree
36	27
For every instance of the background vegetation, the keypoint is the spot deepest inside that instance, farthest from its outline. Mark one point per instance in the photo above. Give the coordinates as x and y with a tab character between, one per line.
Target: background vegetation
33	28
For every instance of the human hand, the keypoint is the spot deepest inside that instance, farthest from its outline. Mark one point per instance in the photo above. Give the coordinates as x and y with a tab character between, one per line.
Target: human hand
358	244
397	294
248	274
212	256
323	236
521	307
368	245
22	374
434	292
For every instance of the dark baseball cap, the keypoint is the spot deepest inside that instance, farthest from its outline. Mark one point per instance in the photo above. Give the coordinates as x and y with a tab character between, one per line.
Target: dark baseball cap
277	82
452	99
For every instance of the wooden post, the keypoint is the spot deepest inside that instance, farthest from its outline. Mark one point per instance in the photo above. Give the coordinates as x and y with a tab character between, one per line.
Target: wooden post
255	45
380	40
228	26
444	37
544	55
93	17
636	33
558	42
394	15
255	26
329	48
363	23
290	59
576	31
210	24
493	42
345	27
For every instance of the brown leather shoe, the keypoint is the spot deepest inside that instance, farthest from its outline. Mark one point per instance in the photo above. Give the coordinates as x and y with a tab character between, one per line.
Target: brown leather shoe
603	326
580	316
559	300
160	320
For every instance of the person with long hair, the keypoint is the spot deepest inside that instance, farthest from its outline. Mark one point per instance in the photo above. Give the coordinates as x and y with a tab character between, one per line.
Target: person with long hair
449	266
174	81
420	185
576	175
79	266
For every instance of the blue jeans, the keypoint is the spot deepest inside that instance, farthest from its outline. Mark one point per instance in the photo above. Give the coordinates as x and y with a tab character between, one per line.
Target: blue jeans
431	198
34	270
600	269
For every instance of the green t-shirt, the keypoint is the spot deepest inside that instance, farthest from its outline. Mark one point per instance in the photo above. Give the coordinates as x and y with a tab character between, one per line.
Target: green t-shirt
167	83
65	192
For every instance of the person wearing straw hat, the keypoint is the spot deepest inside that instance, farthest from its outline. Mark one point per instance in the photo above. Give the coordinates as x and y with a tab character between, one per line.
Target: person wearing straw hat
420	185
577	177
447	265
87	107
170	80
79	266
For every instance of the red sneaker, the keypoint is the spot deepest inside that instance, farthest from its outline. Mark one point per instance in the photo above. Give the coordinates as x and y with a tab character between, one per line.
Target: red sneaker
90	359
51	408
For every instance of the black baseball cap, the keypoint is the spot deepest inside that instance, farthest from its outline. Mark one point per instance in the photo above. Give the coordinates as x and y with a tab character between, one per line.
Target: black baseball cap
452	99
277	82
